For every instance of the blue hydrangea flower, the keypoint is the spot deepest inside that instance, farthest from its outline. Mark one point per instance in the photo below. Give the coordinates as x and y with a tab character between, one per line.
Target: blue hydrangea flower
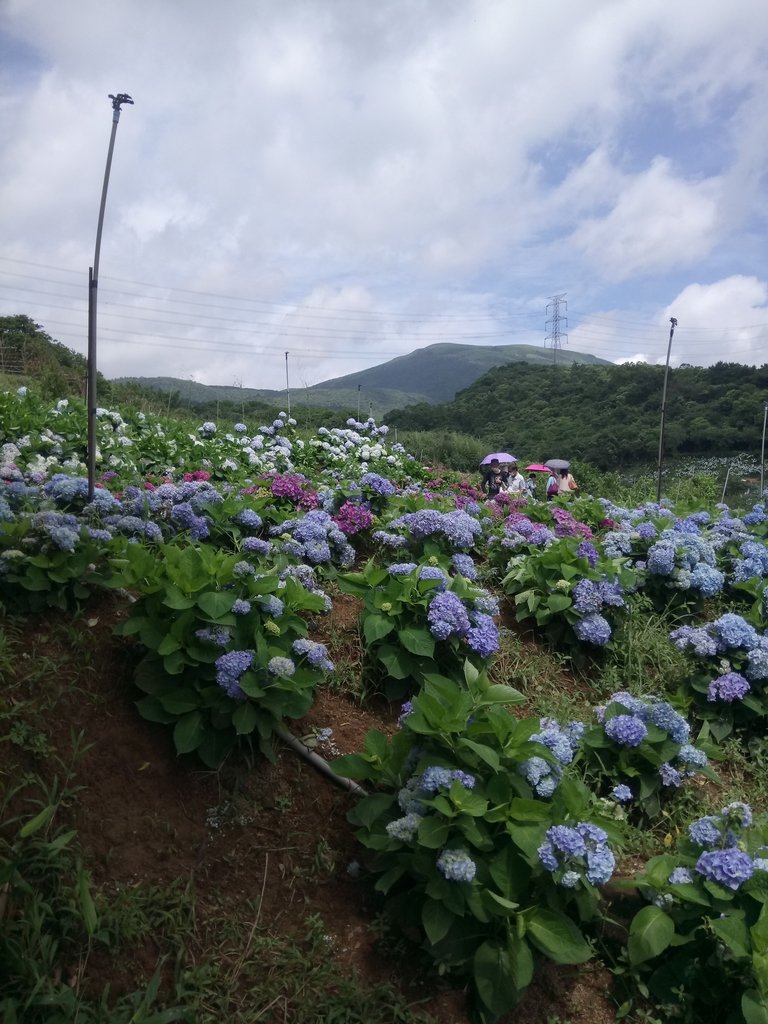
593	629
670	776
272	605
730	867
435	778
757	661
542	776
405	828
247	517
663	716
218	635
733	631
688	638
279	666
737	814
464	565
401	568
586	597
661	558
229	668
483	637
447	616
680	876
315	653
626	730
705	832
707	580
378	484
241	607
621	793
256	546
456	866
588	551
434	572
692	756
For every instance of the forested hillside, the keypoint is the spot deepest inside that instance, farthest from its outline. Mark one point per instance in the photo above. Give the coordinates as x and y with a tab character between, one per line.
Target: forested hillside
607	415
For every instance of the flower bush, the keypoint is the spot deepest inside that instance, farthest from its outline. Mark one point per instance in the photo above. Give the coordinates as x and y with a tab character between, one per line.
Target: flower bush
700	948
729	667
227	649
489	877
419	619
567	590
640	751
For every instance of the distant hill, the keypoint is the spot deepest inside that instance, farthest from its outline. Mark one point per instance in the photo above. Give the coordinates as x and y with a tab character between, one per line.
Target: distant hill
429	375
439	371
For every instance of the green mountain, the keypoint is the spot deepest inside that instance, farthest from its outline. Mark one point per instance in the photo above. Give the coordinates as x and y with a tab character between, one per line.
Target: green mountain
429	375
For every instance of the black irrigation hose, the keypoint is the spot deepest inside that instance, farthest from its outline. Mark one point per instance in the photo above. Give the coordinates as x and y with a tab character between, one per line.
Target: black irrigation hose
317	761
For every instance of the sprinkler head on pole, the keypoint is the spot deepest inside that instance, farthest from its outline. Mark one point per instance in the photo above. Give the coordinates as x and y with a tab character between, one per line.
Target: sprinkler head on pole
117	101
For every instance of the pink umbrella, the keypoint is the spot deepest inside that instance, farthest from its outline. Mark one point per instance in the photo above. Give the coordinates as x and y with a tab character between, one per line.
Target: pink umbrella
537	468
499	456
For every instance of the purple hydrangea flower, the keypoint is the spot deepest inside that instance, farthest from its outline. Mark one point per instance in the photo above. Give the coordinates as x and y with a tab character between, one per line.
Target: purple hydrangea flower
729	687
483	637
447	616
588	551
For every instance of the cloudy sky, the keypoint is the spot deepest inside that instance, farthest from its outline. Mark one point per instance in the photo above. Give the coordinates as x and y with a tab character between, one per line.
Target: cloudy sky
348	180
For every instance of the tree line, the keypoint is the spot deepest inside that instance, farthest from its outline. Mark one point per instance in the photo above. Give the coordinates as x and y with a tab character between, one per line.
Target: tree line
605	415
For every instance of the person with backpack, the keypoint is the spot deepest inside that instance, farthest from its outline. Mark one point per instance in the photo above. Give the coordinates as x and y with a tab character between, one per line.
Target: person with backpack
553	486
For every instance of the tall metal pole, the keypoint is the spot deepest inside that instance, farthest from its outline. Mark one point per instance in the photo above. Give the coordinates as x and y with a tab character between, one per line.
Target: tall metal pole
358	402
672	326
762	451
287	385
93	284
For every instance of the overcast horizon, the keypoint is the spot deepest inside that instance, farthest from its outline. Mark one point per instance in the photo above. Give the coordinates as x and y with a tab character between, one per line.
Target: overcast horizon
349	182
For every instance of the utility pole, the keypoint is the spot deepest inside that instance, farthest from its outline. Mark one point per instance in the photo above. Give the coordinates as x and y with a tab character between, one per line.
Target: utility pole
93	284
555	323
287	385
358	402
672	326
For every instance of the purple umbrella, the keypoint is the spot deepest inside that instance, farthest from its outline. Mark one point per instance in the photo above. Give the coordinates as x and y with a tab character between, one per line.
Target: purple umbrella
499	456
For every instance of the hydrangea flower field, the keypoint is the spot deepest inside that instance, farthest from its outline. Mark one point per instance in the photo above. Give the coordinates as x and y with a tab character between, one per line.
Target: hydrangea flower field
496	834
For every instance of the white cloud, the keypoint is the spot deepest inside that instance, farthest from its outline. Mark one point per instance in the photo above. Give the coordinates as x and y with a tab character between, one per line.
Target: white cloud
446	158
723	321
658	222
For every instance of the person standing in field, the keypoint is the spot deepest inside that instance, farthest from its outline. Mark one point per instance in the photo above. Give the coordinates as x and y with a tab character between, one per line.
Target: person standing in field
516	482
567	484
492	479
